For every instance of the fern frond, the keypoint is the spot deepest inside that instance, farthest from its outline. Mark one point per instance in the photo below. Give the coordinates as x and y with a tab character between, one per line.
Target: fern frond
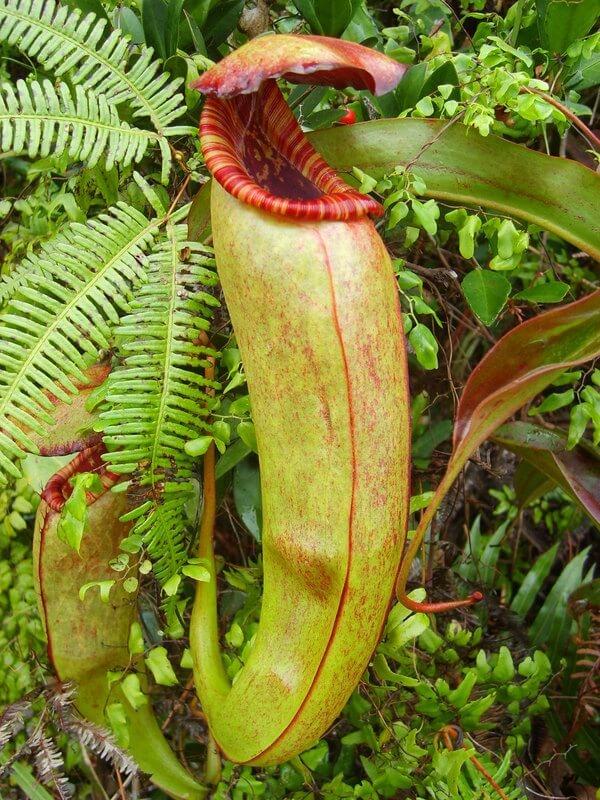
39	120
65	41
158	398
49	765
61	318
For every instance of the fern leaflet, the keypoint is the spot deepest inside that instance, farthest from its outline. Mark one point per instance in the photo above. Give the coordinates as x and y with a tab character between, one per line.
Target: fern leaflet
61	318
39	120
157	399
65	41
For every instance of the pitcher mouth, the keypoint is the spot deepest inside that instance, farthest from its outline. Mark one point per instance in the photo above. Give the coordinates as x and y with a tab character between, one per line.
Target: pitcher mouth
59	488
253	144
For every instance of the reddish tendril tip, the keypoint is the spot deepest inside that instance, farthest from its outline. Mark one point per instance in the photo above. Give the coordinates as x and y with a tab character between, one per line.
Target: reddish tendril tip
436	608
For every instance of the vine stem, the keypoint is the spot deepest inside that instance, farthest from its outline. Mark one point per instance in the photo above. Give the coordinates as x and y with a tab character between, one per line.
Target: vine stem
453	739
589	134
209	490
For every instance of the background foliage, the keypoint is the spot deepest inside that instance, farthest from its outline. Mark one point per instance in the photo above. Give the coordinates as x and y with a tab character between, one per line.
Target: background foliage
99	163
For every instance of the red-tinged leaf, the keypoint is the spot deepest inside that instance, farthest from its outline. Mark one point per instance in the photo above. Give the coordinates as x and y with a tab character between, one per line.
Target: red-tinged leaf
525	361
577	471
88	637
301	59
198	220
459	165
522	364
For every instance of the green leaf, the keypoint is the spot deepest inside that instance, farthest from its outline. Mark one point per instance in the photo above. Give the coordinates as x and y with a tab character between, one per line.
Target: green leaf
159	665
171	34
461	167
419	501
486	293
197	447
334	15
409	90
68	43
590	592
154	21
553	402
561	22
198	221
232	456
467	236
247	495
221	21
307	9
103	587
131	687
247	434
504	669
159	378
529	484
425	346
426	214
552	625
39	120
117	719
549	292
196	571
136	640
31	789
533	581
486	569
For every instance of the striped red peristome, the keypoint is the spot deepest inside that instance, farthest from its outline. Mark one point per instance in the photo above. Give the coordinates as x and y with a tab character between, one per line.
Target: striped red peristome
58	489
252	142
256	150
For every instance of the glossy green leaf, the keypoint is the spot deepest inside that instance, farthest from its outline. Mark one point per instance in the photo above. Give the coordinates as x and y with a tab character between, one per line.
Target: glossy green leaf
460	166
232	456
533	581
486	567
159	665
553	623
135	643
132	689
154	21
221	21
307	9
553	402
247	434
174	17
561	22
576	471
549	292
247	496
486	292
334	15
424	345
